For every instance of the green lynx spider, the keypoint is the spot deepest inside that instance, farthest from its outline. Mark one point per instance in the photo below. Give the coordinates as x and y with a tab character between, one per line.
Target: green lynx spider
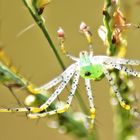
87	66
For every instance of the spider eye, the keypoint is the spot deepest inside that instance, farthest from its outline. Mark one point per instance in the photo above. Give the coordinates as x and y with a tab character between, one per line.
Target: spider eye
87	73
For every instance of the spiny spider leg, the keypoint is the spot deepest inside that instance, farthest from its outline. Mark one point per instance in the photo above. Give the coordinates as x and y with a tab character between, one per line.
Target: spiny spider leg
61	37
24	109
125	69
91	101
73	87
115	88
58	79
122	61
65	107
114	60
62	85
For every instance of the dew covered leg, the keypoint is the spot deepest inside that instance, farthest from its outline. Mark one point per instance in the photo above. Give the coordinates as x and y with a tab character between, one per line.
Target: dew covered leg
65	106
116	89
125	69
58	79
21	109
91	101
73	87
111	60
62	85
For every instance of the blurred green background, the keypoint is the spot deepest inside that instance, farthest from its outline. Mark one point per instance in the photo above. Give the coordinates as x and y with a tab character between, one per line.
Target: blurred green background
32	55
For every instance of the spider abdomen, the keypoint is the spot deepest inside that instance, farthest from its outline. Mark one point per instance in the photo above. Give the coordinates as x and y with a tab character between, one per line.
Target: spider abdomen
94	72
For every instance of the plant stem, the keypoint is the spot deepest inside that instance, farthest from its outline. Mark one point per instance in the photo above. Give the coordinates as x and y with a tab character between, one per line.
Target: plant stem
106	21
39	20
122	119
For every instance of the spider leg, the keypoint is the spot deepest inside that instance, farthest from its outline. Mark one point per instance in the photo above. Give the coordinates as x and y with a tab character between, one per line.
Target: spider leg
125	69
115	88
91	50
62	85
110	60
21	109
122	61
24	109
65	107
73	87
65	52
61	37
58	79
91	101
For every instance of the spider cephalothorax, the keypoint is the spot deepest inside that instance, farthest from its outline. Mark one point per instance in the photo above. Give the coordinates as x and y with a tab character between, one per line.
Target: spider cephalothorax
88	69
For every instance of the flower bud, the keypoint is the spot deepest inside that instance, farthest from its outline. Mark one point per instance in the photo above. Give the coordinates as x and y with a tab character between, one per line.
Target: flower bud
60	33
83	26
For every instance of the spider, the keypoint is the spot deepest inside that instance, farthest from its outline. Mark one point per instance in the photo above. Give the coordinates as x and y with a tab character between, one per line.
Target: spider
87	66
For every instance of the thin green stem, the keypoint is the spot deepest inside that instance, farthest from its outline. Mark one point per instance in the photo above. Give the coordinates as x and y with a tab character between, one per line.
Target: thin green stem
39	20
106	21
